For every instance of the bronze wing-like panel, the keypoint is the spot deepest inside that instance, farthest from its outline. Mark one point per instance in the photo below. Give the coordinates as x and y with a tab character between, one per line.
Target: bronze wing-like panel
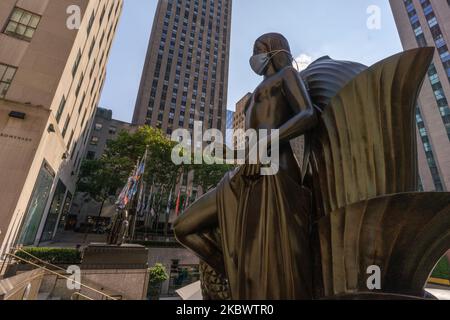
326	77
365	176
366	145
404	235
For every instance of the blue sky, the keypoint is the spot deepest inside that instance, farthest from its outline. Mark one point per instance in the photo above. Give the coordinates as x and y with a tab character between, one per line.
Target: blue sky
313	28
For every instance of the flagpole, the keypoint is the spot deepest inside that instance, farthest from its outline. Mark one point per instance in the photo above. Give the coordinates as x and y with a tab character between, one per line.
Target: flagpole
158	204
168	212
140	171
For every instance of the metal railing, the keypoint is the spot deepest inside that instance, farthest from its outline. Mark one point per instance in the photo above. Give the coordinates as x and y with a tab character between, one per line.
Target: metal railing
58	275
77	295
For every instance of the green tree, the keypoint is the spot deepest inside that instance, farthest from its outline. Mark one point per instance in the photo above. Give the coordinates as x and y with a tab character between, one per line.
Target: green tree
104	177
209	176
98	180
128	148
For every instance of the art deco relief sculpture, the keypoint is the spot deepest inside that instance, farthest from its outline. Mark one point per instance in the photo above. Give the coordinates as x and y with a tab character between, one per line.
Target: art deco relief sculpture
312	232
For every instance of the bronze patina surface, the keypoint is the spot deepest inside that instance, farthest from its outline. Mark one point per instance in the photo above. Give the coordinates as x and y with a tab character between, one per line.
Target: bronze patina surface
312	232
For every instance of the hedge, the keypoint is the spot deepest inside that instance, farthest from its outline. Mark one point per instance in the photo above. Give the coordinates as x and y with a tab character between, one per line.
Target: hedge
442	270
51	255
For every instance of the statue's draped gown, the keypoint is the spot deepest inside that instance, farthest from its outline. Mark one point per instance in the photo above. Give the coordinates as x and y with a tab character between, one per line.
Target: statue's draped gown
265	229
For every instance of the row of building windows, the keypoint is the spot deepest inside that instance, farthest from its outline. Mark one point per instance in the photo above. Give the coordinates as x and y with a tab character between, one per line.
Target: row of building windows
421	41
170	129
111	130
440	97
444	54
438	37
429	151
22	24
212	12
191	85
94	84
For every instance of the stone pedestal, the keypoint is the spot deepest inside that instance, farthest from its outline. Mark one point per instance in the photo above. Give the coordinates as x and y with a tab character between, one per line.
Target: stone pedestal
118	271
103	256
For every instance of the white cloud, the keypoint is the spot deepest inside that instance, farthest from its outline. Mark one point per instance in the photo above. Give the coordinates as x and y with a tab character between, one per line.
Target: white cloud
303	61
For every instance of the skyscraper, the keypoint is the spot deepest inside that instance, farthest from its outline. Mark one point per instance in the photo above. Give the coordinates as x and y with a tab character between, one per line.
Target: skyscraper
52	70
427	23
185	74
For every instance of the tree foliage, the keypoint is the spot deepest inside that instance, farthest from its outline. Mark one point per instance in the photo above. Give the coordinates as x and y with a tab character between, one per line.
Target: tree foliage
209	176
98	179
158	274
103	177
127	149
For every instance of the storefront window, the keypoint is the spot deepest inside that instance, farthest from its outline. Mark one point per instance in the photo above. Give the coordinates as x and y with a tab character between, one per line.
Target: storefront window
65	212
53	214
36	206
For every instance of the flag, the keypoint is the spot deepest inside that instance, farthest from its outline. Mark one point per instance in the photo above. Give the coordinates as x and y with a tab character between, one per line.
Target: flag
141	212
186	201
149	201
169	203
141	166
132	187
123	198
140	202
177	208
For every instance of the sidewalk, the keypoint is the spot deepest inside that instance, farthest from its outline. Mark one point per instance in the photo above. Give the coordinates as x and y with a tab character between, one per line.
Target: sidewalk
440	292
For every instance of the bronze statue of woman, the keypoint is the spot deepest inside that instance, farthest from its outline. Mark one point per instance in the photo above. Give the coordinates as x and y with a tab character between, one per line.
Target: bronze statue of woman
263	220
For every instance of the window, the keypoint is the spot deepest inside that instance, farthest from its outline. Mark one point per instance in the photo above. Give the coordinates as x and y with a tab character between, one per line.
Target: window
92	69
37	205
76	64
80	82
72	154
66	125
53	213
91	23
94	141
98	126
6	76
90	155
91	49
112	130
103	14
60	111
22	24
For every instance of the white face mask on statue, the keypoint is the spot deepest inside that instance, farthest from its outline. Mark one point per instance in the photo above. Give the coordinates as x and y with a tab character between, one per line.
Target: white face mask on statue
259	62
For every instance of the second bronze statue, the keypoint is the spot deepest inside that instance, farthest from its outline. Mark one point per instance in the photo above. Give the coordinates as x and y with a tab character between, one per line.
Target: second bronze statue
264	221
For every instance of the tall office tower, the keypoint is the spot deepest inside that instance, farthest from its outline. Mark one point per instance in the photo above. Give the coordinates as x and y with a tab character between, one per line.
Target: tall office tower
424	23
185	74
53	56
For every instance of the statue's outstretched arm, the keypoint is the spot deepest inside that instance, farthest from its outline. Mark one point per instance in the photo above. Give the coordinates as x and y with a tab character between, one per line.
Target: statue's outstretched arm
299	100
191	229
